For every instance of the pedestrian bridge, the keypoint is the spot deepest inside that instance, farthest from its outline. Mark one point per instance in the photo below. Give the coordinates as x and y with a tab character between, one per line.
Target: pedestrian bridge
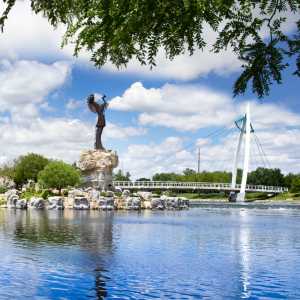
194	186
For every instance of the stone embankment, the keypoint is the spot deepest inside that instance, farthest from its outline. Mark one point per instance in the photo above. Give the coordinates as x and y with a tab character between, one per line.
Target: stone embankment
93	199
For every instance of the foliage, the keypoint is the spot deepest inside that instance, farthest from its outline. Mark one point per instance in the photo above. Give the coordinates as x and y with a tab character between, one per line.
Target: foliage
165	177
3	189
143	179
27	167
119	31
2	201
258	196
29	194
261	176
120	176
7	171
157	192
190	175
46	193
288	179
295	185
195	196
39	194
264	176
58	174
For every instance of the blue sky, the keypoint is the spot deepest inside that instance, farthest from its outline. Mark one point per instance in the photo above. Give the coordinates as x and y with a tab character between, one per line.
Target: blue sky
156	120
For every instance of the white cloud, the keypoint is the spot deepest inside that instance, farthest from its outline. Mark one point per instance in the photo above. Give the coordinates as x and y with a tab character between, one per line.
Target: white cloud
116	131
60	138
25	84
183	107
191	107
172	155
29	35
73	104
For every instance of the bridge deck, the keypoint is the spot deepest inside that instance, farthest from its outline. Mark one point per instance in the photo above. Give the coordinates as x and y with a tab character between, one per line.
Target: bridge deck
173	185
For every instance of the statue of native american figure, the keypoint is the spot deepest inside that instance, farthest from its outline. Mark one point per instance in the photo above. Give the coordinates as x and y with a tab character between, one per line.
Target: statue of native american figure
99	109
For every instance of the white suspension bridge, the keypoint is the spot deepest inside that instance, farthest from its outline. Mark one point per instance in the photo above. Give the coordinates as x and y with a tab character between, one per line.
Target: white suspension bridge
246	131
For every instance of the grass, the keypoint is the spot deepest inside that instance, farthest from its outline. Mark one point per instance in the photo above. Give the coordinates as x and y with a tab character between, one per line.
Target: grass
2	200
287	196
195	196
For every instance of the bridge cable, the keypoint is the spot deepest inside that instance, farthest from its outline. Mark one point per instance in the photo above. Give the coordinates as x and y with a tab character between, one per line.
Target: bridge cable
262	151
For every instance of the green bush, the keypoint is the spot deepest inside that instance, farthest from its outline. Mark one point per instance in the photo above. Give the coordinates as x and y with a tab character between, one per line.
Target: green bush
295	185
29	194
59	175
157	192
3	189
45	194
2	201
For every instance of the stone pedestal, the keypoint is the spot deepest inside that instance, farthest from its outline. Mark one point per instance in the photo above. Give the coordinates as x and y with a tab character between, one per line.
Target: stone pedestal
97	167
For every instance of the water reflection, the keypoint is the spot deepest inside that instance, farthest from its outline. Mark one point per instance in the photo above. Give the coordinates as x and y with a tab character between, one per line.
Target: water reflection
200	253
44	233
245	256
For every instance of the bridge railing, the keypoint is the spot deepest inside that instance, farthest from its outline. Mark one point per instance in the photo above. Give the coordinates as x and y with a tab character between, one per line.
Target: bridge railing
194	186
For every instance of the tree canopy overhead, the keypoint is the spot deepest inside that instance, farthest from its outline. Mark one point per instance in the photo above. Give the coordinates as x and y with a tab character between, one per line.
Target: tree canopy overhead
120	30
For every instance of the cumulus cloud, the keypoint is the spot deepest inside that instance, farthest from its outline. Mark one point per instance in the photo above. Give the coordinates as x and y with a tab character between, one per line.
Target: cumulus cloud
191	107
183	107
173	155
25	84
60	138
73	104
25	88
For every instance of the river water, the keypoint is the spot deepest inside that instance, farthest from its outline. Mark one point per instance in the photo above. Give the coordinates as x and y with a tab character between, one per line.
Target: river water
209	253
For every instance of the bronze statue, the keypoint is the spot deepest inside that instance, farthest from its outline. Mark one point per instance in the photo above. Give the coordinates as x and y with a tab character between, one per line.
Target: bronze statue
99	109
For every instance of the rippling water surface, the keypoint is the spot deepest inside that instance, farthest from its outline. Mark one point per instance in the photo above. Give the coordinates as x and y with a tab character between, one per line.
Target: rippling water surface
200	253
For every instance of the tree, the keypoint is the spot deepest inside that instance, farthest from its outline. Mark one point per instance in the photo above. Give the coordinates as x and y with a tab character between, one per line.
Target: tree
296	184
188	172
7	171
119	176
58	174
27	167
264	176
165	177
288	179
143	179
119	31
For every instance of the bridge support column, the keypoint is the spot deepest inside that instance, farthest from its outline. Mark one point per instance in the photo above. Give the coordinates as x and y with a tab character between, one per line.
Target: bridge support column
241	194
236	158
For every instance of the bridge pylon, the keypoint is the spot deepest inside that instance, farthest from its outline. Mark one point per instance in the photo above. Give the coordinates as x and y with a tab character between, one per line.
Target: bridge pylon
245	127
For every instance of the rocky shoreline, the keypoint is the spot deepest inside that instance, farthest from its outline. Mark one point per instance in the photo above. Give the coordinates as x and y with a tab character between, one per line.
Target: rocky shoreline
90	198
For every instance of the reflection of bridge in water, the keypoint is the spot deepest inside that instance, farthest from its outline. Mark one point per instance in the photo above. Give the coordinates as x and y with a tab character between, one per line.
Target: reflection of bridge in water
194	186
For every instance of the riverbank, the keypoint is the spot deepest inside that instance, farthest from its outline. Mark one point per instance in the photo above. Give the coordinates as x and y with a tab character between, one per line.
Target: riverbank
249	196
249	204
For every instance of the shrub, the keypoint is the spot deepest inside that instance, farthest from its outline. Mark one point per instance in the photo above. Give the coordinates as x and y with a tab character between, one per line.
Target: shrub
295	185
59	175
3	189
